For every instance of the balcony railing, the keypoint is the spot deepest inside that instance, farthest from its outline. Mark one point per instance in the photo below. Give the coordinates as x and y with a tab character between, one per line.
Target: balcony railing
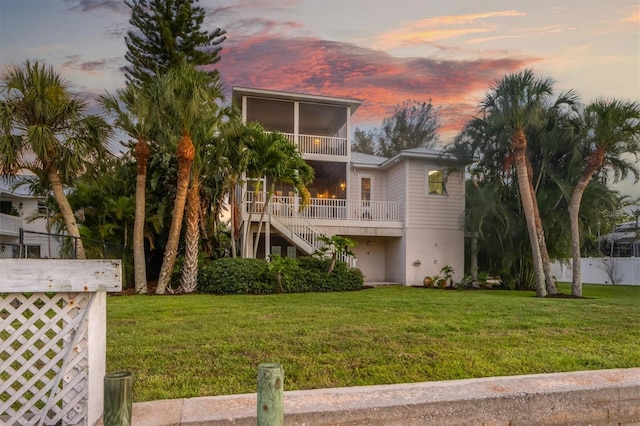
10	225
332	209
323	145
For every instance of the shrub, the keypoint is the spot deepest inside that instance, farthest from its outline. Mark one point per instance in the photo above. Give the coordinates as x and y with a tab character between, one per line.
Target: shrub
314	276
256	276
235	276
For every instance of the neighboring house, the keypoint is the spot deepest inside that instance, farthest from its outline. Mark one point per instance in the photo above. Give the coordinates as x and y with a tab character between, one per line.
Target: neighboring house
405	213
17	207
624	241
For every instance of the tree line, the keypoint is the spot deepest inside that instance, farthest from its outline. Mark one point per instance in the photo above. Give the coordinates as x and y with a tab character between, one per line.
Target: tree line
187	151
531	157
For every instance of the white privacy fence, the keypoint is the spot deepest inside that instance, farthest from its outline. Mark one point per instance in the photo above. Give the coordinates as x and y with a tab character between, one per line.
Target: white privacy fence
599	270
53	339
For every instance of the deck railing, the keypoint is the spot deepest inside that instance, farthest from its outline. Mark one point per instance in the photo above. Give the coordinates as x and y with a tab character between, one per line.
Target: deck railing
324	145
286	213
331	209
10	225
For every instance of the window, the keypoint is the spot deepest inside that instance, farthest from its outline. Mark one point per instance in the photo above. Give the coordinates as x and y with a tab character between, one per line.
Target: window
5	207
365	189
366	194
436	182
291	252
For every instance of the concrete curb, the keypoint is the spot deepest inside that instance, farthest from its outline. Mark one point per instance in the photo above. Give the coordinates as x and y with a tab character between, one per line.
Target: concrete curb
602	397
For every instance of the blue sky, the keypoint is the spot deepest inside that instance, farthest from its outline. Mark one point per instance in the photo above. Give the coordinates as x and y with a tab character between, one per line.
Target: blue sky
380	52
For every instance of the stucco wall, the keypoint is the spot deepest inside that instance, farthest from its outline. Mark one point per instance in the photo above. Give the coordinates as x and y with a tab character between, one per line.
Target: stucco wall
395	260
433	248
371	257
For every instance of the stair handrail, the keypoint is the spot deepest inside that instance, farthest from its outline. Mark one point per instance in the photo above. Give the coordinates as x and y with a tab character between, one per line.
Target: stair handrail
300	222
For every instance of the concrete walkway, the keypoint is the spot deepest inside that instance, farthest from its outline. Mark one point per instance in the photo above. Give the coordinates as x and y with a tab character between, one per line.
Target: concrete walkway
602	397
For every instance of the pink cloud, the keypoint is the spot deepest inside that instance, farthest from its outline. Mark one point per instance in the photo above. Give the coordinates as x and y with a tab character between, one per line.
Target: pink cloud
381	80
441	28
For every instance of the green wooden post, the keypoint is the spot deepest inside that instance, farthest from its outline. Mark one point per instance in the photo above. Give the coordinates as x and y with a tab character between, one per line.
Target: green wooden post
270	394
118	399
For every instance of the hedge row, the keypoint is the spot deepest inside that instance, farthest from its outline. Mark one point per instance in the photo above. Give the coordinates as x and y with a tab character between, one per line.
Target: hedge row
257	276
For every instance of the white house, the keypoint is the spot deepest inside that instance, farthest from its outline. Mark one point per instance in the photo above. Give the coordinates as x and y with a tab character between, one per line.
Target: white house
17	207
405	213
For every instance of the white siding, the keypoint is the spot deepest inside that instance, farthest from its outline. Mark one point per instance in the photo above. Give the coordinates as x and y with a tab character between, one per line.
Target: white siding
395	184
377	182
434	211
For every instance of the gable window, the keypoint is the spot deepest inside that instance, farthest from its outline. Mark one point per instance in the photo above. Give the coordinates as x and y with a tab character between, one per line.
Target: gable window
435	184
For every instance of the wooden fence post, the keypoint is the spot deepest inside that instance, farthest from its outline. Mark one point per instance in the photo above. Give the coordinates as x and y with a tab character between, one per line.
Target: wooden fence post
118	399
270	394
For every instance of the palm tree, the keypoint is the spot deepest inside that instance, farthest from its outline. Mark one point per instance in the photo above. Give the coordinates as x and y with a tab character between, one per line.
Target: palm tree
205	163
133	110
516	102
610	128
293	171
264	153
45	129
190	101
234	162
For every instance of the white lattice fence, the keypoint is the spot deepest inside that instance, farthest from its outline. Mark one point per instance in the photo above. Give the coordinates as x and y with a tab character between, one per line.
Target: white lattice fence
52	344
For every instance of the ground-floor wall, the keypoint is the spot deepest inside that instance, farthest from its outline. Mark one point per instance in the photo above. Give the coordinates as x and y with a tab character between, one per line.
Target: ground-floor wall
408	259
404	259
429	250
395	260
371	253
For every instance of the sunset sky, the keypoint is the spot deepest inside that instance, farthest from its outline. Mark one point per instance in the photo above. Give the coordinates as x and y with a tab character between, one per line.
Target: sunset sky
382	52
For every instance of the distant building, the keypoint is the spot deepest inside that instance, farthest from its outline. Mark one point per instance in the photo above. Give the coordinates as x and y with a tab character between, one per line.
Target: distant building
624	241
19	235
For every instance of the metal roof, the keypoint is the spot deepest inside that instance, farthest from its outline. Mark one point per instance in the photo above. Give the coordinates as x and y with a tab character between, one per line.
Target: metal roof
238	92
421	153
373	161
367	159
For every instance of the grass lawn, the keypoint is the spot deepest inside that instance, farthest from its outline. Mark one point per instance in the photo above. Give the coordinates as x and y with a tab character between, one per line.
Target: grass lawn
203	345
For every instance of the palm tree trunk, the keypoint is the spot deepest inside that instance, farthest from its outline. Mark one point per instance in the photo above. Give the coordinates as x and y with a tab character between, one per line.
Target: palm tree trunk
332	264
185	154
247	228
519	144
594	162
191	239
262	214
139	261
234	217
544	253
65	210
546	261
